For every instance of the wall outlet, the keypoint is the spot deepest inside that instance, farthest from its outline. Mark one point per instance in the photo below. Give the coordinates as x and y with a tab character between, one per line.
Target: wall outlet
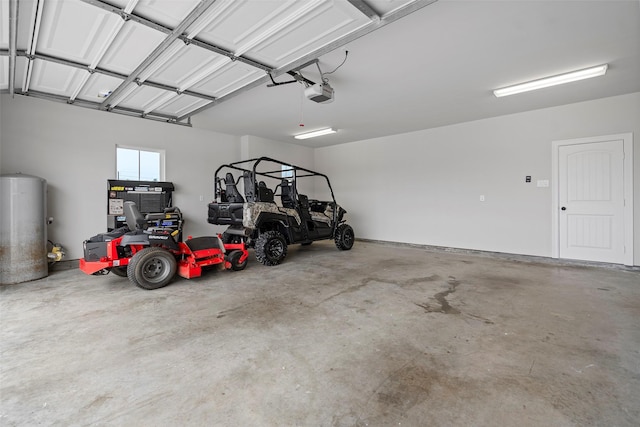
482	197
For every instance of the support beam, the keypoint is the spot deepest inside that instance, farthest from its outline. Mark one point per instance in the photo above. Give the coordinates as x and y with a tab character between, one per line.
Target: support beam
226	53
87	68
13	40
363	7
118	110
32	45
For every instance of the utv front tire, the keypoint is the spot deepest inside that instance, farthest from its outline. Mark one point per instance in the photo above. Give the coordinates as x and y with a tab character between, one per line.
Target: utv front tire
152	268
271	248
344	237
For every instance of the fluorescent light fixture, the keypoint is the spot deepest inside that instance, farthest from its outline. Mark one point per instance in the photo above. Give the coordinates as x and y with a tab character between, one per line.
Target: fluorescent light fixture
552	81
315	133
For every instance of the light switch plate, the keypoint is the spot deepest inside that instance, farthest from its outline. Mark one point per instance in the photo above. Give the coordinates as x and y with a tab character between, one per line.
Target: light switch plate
543	183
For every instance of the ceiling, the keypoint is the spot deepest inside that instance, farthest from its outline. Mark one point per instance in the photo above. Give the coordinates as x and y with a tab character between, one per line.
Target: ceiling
411	64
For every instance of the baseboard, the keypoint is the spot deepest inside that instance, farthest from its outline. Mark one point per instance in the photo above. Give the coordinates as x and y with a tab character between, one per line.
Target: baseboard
503	255
64	265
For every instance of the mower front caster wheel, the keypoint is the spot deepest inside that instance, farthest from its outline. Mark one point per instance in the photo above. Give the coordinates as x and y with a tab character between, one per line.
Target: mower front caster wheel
234	260
152	268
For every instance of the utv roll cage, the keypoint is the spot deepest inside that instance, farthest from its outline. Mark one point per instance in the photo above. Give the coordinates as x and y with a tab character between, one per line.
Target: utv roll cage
256	189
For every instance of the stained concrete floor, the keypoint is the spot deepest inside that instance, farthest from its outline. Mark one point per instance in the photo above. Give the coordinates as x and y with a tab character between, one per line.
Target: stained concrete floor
379	336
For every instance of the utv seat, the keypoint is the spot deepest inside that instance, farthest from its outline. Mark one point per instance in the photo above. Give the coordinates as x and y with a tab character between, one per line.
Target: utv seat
304	201
232	193
287	195
265	194
250	189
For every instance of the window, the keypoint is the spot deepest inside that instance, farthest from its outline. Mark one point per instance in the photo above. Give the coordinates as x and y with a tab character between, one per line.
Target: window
139	165
287	172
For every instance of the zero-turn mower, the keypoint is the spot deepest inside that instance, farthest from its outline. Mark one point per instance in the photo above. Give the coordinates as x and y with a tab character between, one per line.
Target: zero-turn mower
150	251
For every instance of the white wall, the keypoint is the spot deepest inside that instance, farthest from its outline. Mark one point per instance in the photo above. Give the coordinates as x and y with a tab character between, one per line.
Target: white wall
421	187
253	147
74	150
424	187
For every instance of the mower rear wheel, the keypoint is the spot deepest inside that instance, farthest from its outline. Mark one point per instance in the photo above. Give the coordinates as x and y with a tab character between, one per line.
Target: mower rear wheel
271	247
152	268
119	271
234	260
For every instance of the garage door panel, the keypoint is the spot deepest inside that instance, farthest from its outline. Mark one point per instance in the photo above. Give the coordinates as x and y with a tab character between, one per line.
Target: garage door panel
54	78
312	31
74	30
228	79
181	105
132	45
190	65
97	84
165	12
235	21
142	97
4	72
275	33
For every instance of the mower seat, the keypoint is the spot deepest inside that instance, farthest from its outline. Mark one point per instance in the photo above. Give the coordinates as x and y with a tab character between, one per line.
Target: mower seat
135	220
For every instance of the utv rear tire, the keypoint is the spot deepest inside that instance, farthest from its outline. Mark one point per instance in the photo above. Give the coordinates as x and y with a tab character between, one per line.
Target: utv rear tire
344	237
234	260
271	248
152	268
119	271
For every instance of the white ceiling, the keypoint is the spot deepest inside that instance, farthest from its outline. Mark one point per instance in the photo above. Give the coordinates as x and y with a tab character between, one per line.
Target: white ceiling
208	59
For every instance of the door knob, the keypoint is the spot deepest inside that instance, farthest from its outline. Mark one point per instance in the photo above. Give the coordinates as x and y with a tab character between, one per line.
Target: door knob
563	208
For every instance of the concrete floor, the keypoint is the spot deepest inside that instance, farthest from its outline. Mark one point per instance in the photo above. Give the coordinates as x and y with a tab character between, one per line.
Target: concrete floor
382	335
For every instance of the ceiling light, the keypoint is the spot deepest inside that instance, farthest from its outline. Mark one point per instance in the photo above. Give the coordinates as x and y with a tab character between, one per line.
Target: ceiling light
315	133
552	81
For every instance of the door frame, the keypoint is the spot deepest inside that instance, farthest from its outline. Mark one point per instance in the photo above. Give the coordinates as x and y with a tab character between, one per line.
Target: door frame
627	139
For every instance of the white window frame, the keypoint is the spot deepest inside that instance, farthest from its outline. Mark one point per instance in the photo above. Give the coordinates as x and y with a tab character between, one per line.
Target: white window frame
161	178
287	172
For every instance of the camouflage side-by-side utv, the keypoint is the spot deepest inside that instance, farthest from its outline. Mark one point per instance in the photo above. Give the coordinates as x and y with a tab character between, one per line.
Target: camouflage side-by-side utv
262	202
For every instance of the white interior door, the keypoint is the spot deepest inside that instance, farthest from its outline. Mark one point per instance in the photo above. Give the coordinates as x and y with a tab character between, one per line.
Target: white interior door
592	223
